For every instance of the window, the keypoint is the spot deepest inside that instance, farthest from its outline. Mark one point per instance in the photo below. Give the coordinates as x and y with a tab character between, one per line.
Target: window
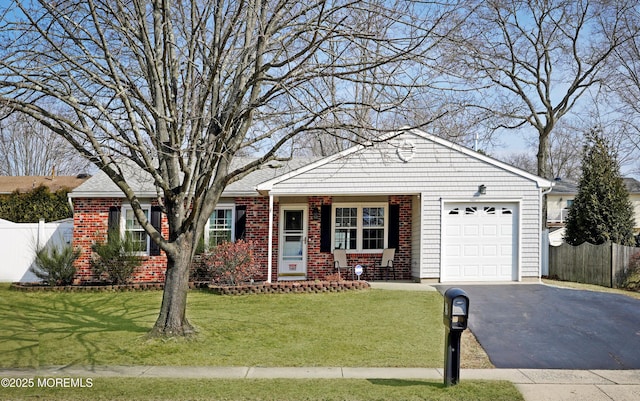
373	228
360	227
220	227
134	231
346	231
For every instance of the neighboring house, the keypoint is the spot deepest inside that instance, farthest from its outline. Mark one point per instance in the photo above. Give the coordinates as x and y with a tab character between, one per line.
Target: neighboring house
561	197
452	214
22	184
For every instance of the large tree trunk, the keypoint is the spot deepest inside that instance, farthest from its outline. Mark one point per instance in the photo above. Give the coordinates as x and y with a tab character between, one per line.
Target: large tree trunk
543	169
172	320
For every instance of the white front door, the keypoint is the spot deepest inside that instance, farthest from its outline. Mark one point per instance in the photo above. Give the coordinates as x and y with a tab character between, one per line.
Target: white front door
292	262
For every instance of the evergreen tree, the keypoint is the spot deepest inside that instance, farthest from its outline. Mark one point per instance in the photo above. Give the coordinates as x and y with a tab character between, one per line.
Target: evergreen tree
601	210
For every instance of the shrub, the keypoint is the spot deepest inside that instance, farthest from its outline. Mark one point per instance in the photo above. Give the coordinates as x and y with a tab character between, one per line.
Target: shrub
630	279
116	259
39	203
229	263
54	265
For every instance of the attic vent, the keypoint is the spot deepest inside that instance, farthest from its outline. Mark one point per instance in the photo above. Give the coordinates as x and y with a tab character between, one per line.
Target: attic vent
405	151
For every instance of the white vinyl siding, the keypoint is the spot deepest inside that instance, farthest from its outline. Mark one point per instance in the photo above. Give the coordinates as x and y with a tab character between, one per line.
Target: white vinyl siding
436	173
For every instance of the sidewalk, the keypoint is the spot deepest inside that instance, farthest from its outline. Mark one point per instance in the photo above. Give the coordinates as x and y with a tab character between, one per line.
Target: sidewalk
535	385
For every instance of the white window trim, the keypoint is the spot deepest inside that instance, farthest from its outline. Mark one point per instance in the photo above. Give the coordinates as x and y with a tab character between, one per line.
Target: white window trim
123	225
222	206
359	228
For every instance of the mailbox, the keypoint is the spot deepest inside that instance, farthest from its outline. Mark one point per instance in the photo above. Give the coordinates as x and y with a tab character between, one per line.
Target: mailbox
456	309
456	315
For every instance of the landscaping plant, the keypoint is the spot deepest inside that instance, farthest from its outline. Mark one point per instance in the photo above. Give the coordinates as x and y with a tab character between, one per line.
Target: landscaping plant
601	210
630	279
116	259
54	264
229	263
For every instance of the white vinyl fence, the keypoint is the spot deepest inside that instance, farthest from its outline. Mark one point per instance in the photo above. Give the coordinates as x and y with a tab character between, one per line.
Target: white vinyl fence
18	242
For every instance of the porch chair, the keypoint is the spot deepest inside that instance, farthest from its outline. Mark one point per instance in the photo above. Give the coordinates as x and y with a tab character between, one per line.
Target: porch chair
340	260
386	263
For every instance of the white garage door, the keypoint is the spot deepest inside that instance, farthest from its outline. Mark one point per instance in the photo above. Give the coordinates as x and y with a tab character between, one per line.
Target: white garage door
480	242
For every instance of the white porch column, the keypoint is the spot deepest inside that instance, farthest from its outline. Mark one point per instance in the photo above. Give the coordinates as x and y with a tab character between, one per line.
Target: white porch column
270	246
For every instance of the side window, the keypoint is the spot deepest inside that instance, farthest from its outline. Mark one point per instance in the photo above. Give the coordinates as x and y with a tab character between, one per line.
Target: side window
220	227
134	231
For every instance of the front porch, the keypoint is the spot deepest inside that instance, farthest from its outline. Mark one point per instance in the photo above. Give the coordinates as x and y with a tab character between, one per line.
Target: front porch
304	231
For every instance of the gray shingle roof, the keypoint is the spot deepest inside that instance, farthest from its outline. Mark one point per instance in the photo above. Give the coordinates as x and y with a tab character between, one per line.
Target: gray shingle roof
100	185
567	187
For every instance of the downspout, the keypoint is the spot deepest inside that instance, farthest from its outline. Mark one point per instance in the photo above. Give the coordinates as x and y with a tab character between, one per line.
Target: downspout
270	246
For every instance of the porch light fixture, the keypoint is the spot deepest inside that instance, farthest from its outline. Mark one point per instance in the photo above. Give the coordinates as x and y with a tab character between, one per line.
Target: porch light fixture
482	189
315	213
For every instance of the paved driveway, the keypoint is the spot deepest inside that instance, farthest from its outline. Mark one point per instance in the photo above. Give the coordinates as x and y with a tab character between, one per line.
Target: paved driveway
542	327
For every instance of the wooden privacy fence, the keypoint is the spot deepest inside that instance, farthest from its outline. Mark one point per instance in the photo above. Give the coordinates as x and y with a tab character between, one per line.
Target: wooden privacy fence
590	264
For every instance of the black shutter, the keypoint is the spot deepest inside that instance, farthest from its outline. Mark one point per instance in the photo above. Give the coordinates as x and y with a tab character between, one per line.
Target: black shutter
156	222
325	228
241	223
113	224
393	237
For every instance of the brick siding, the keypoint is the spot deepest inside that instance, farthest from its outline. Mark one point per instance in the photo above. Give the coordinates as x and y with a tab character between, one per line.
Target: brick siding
91	218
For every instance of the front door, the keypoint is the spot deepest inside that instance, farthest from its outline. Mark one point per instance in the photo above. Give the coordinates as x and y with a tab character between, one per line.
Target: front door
292	263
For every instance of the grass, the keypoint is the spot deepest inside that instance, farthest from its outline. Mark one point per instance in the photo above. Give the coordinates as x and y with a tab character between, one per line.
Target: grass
366	328
592	287
363	328
265	390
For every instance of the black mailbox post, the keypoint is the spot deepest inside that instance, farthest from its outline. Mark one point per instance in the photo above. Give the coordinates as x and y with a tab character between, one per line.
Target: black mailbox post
456	315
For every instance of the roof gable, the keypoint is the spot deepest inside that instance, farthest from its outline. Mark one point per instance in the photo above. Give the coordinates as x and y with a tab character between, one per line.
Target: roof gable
395	154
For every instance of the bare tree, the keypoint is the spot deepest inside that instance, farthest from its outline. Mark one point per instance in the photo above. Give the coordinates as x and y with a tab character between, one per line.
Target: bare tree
565	154
625	85
532	61
28	148
181	88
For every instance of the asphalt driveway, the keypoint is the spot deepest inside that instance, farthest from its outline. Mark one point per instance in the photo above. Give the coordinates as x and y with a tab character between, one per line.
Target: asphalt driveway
543	327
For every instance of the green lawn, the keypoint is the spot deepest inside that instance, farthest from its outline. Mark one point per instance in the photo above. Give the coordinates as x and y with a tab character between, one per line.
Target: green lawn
364	328
360	328
276	390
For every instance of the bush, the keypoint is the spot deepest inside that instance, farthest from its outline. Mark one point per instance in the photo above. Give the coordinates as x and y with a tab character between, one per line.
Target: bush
229	263
39	203
630	279
116	259
54	265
